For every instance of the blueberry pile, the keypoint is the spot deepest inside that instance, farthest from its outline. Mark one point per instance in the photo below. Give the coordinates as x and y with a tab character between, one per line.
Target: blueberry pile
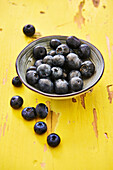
62	69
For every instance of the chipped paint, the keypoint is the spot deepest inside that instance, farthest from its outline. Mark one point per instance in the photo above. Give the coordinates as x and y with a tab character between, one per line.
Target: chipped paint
42	164
110	93
45	147
42	12
35	162
83	100
1	29
78	18
36	100
74	100
96	3
4	128
94	123
88	37
61	25
6	117
106	135
0	130
108	46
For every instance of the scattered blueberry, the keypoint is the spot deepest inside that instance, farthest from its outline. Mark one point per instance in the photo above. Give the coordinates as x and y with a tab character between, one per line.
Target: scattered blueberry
84	51
16	102
38	62
32	77
16	81
44	70
39	52
87	69
29	113
61	86
73	42
54	43
45	85
62	49
40	127
52	52
48	60
56	73
53	140
73	61
31	68
58	60
76	84
42	110
74	73
29	30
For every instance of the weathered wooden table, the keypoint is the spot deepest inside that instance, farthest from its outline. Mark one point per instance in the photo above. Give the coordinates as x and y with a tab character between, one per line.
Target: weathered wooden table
85	123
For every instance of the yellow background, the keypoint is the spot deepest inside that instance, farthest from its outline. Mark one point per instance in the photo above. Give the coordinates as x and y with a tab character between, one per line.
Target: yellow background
85	124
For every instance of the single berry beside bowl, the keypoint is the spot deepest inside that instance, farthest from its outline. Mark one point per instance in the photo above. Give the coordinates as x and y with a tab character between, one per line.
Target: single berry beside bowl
53	140
16	102
29	113
40	127
29	30
16	81
42	110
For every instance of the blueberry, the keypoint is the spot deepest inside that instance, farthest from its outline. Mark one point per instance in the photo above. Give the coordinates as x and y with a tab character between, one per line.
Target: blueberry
52	52
74	73
42	110
58	60
73	61
39	52
40	127
56	72
76	84
31	68
29	113
16	81
84	51
46	85
48	60
44	70
54	43
73	42
16	102
29	30
32	77
62	49
87	69
38	62
53	140
61	86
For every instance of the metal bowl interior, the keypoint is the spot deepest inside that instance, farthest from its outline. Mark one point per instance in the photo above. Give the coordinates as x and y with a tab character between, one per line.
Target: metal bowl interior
25	59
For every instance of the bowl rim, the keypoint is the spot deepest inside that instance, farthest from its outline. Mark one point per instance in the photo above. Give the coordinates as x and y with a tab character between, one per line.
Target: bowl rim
59	95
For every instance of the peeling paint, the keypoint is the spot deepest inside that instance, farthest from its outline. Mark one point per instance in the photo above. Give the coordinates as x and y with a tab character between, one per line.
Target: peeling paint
78	18
106	135
83	100
45	147
88	37
1	29
110	93
42	164
4	128
94	123
74	100
96	3
35	162
42	12
6	117
0	130
36	100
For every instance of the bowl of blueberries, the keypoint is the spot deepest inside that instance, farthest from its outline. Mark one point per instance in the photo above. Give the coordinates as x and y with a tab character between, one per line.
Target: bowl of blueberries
60	67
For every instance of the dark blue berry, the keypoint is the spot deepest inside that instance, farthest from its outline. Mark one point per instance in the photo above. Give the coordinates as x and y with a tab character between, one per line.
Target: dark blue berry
61	86
31	68
74	73
38	62
40	127
58	60
39	52
42	110
53	140
62	49
84	51
29	30
73	42
54	43
16	102
56	73
52	52
87	69
76	84
45	85
32	77
44	70
16	81
48	60
73	61
29	113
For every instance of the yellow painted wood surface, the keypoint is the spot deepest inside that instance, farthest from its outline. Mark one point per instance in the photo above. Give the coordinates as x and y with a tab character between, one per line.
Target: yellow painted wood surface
85	124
